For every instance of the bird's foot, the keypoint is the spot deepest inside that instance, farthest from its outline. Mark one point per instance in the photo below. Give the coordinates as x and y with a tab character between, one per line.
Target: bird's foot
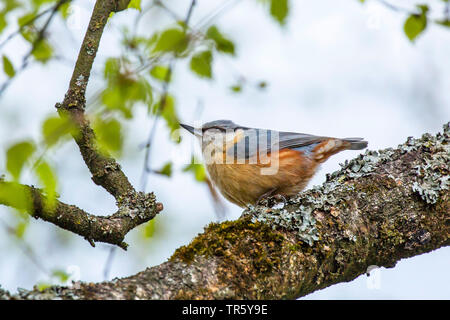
271	199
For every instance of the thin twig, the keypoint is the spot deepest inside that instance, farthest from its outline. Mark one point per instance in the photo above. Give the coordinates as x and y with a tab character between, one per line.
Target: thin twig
109	261
219	10
447	10
168	10
395	7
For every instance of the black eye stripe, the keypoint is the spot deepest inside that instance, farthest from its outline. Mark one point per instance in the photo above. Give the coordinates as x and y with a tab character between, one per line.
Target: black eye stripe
218	128
223	129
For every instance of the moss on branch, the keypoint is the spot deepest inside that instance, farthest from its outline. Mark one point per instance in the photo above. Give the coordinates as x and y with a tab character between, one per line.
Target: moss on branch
368	213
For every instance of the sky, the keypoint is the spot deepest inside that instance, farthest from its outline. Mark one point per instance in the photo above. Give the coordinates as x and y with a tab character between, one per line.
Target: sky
338	68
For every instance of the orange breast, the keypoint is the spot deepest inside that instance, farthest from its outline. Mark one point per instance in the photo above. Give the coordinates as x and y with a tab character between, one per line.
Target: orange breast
245	183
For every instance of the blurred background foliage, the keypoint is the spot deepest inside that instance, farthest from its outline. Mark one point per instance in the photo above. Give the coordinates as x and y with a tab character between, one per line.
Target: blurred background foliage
134	81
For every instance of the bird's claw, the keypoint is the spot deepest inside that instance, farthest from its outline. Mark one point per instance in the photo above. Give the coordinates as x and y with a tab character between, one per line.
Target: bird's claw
272	200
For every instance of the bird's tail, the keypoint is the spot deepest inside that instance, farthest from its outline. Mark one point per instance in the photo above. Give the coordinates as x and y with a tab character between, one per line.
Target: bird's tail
356	143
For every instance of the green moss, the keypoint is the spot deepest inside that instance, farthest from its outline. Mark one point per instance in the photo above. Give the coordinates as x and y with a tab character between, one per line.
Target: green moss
391	235
235	240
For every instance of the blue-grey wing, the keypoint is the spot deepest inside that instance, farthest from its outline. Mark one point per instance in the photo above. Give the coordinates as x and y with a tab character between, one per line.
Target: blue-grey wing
262	142
293	140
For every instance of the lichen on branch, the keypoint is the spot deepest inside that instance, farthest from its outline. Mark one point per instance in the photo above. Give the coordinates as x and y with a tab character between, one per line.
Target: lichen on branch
369	213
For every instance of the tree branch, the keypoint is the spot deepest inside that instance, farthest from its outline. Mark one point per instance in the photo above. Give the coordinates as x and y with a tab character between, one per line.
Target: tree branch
110	229
134	208
379	208
105	171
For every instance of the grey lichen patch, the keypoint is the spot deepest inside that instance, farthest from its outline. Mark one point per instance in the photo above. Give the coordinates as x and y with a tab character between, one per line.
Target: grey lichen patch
80	81
301	220
299	214
433	173
432	176
361	166
4	295
137	205
113	166
90	50
51	293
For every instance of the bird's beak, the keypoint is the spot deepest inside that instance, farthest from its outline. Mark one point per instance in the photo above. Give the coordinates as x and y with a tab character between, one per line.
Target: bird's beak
190	129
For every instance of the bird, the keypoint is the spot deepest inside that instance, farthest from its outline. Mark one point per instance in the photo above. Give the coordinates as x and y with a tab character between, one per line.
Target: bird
249	164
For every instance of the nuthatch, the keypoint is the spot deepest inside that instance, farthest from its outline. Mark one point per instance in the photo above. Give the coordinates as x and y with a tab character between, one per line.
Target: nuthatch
249	164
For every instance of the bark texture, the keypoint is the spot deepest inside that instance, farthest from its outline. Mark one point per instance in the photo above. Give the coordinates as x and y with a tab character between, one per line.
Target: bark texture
112	229
105	171
379	208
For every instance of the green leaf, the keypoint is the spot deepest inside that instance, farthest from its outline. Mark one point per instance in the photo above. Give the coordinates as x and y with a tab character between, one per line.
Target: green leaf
160	73
16	157
262	84
3	22
42	51
149	229
61	275
20	229
416	23
15	196
48	180
39	3
10	5
166	170
139	90
28	34
197	169
423	8
64	10
8	67
26	18
279	10
445	22
41	286
169	114
55	129
166	108
113	100
201	64
125	88
111	69
237	88
109	135
171	40
135	4
222	44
